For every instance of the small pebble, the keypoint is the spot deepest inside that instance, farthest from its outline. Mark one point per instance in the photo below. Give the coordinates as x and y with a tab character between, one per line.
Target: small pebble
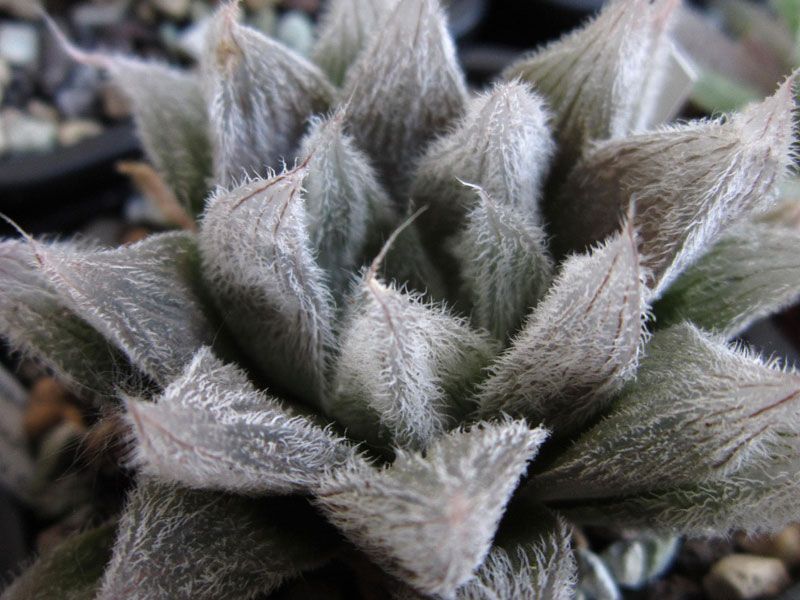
175	9
73	131
42	110
24	134
745	577
784	545
19	43
627	561
295	29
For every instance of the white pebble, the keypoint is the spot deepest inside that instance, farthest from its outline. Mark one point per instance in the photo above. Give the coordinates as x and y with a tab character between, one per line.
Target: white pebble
19	44
26	134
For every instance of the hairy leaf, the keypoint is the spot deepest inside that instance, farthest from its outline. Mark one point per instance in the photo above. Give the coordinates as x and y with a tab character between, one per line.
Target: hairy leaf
260	95
430	520
699	411
183	544
71	571
348	210
580	345
752	271
505	266
602	80
403	90
405	366
687	183
345	29
172	121
502	144
36	321
143	298
259	266
212	429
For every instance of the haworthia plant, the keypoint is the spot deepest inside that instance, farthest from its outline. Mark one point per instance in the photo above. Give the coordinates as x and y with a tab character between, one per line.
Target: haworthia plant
314	381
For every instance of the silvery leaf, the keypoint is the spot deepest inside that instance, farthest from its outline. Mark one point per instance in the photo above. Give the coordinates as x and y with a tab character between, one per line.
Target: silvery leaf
405	366
259	266
603	80
184	544
260	95
404	89
580	344
37	322
698	412
345	28
430	520
752	271
349	213
687	183
212	429
143	298
505	266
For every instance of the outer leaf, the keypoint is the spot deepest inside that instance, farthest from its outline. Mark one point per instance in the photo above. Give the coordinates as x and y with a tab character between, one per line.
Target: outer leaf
349	212
72	571
260	95
751	272
345	28
580	345
404	89
505	266
212	429
259	266
601	81
405	366
687	183
698	412
176	543
172	121
429	521
502	144
143	298
36	321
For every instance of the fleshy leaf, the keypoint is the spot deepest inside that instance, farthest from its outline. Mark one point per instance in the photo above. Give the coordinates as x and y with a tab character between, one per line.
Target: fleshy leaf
35	321
345	28
430	520
71	571
687	182
349	213
259	266
505	266
172	121
503	144
405	366
144	298
183	544
260	96
580	345
699	411
403	90
602	80
212	429
752	271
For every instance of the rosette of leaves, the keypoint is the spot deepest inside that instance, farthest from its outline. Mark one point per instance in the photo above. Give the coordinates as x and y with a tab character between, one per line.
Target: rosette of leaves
426	401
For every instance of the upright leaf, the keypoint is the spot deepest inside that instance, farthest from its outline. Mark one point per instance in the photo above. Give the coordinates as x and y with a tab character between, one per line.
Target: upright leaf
404	89
143	298
505	266
212	429
259	266
601	81
752	271
687	182
37	322
429	521
182	544
580	345
349	213
345	29
698	412
260	95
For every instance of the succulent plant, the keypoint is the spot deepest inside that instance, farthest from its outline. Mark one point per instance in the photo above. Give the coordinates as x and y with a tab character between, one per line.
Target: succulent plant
421	330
